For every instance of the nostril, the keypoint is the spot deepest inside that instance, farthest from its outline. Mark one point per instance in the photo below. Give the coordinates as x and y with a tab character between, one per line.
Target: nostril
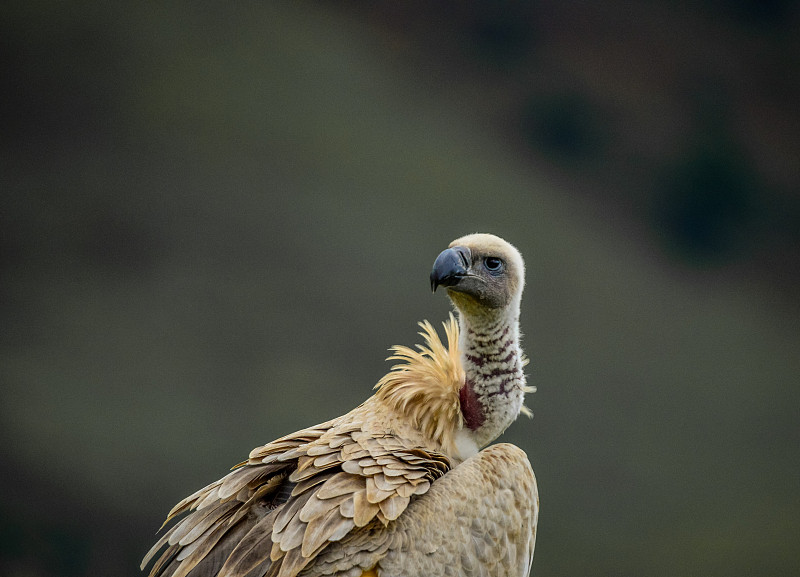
462	252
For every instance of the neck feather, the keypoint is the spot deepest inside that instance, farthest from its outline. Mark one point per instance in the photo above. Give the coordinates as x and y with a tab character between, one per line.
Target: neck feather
424	387
463	395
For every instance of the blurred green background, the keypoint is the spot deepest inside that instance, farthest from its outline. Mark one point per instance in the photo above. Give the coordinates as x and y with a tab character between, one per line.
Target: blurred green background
216	218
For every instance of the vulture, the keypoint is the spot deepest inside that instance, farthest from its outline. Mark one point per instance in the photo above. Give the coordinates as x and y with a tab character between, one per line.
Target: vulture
401	485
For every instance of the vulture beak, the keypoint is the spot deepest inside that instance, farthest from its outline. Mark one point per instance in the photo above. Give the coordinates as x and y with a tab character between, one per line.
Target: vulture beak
450	267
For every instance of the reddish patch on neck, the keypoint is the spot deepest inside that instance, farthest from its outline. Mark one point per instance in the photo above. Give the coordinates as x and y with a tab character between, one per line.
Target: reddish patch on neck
471	408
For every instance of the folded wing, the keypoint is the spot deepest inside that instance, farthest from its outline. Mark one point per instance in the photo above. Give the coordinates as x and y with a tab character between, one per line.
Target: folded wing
277	512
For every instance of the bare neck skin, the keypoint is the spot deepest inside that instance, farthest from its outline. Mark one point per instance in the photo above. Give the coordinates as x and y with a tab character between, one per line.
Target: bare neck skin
493	393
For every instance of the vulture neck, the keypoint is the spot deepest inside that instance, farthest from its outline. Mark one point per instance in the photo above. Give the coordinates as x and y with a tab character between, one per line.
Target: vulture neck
494	388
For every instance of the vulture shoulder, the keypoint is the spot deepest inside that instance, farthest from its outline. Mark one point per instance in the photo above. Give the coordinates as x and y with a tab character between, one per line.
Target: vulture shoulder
478	519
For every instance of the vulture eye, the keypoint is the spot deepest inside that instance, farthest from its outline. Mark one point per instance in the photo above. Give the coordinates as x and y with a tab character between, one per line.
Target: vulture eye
493	264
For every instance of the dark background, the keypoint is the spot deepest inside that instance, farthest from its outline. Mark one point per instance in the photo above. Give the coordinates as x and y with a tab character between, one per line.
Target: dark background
216	218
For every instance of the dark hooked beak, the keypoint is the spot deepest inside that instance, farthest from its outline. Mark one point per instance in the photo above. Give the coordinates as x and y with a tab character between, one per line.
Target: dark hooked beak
450	267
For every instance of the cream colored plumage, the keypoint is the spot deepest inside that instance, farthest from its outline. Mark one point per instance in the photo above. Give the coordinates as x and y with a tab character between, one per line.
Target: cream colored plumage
397	485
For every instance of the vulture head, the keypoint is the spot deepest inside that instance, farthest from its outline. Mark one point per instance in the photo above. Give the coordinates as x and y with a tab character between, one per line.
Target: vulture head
483	275
463	395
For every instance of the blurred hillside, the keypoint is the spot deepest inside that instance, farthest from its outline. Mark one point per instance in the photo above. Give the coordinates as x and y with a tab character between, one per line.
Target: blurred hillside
216	220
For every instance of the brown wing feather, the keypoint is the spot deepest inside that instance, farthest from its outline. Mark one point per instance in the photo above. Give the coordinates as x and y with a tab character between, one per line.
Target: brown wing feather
279	510
349	459
252	550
